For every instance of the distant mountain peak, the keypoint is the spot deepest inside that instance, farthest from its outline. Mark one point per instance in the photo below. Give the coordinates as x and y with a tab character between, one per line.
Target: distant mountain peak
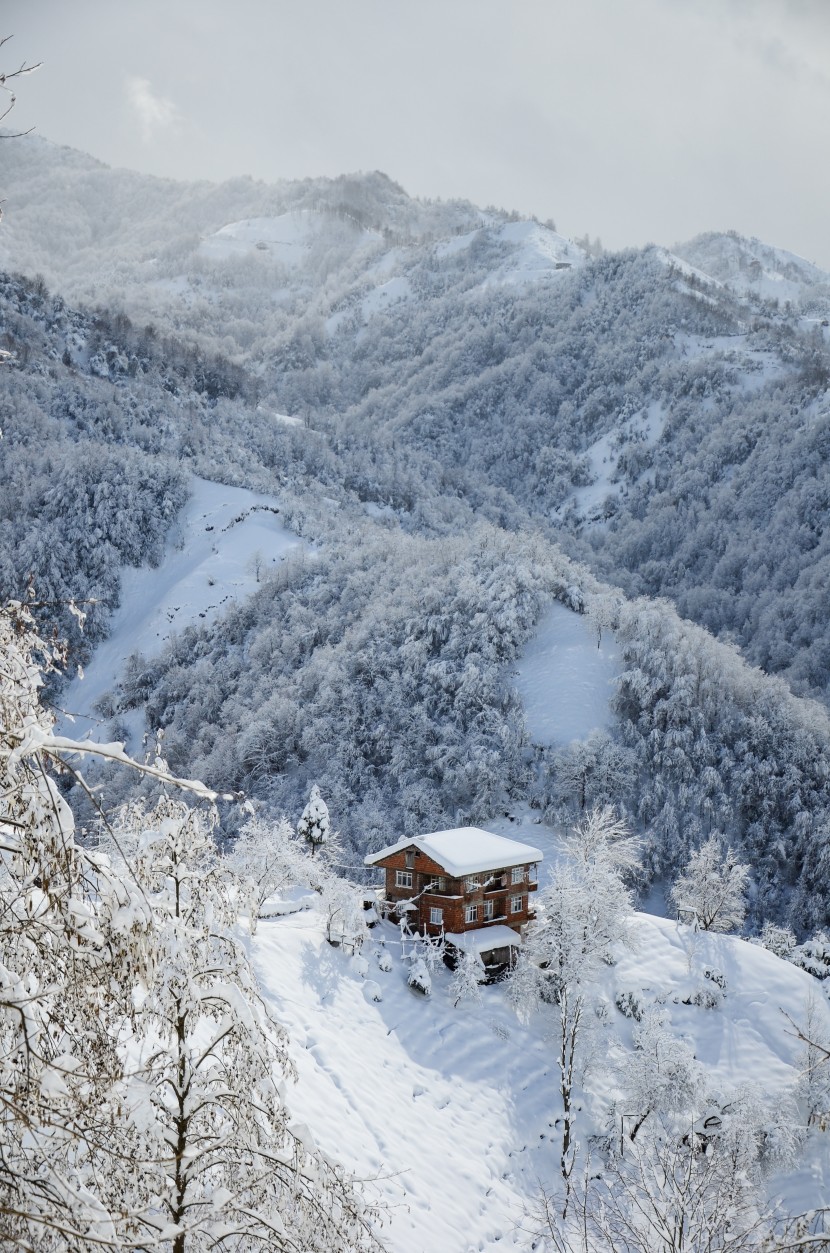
750	266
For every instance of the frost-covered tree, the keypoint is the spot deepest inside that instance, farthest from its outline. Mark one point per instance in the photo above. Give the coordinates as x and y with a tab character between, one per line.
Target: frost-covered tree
468	976
315	824
661	1076
712	889
345	915
63	991
140	1072
266	857
218	1152
583	912
669	1193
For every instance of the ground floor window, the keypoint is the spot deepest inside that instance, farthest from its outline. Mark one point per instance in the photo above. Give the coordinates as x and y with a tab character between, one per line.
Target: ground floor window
516	904
488	910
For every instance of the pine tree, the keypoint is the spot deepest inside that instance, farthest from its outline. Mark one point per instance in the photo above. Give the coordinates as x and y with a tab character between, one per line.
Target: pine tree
468	976
315	824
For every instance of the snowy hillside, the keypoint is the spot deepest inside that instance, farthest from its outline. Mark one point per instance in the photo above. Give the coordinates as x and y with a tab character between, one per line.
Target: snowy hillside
225	541
286	239
414	1093
749	266
535	252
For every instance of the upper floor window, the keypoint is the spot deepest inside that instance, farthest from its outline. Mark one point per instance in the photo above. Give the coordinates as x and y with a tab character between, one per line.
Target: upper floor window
410	859
532	874
471	913
471	883
517	874
403	878
516	904
488	910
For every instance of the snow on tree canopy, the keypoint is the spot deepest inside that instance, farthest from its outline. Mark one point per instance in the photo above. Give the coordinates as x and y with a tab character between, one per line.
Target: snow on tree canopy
465	850
315	824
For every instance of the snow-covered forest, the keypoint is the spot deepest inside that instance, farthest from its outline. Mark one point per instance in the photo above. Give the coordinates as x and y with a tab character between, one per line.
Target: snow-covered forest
455	423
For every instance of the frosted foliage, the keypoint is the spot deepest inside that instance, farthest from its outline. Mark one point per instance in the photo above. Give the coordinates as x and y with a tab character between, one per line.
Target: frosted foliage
583	912
661	1075
315	824
141	1073
65	979
210	1061
468	976
266	857
664	1194
711	892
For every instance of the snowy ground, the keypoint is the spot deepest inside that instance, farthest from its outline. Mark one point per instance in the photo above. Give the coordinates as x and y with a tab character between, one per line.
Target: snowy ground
209	562
564	680
451	1110
287	238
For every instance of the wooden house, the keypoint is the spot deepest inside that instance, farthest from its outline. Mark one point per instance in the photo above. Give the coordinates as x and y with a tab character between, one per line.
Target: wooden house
473	887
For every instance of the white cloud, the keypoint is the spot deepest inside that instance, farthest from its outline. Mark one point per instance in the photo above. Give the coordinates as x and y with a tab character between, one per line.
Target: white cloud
152	112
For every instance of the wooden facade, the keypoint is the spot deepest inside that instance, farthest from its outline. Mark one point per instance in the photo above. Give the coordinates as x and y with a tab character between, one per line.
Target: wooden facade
444	904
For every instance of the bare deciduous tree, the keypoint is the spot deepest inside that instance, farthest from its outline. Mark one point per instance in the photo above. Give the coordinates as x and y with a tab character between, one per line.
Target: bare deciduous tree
8	83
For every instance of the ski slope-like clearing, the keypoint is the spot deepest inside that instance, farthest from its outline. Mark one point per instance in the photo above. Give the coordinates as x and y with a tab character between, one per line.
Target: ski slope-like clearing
452	1110
536	251
224	539
287	238
564	680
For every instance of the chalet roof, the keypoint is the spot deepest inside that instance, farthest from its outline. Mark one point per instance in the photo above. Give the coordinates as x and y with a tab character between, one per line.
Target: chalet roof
482	939
463	851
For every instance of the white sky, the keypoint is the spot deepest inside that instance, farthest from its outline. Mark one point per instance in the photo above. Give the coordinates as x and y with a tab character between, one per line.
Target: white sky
634	120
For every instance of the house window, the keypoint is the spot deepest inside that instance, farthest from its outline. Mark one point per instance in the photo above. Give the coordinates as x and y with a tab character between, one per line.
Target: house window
403	878
410	860
471	913
516	904
517	874
440	884
436	916
471	883
531	874
488	910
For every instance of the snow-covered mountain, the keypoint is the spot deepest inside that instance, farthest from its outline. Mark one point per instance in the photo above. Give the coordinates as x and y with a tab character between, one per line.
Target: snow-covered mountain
751	267
384	496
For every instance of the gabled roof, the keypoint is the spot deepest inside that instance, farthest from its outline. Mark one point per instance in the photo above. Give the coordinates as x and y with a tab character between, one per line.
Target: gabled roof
466	850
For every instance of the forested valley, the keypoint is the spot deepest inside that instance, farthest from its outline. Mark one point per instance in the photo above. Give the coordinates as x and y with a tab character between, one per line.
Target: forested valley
482	417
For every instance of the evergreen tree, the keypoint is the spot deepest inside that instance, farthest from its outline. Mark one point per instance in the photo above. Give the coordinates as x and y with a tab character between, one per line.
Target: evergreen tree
315	824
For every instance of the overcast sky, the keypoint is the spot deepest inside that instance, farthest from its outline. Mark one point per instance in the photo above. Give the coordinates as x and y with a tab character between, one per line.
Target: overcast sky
634	120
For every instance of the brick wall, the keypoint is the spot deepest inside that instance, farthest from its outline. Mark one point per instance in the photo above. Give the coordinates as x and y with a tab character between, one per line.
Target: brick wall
453	896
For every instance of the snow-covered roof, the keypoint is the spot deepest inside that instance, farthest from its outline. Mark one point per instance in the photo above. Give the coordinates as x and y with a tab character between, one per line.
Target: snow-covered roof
482	939
465	850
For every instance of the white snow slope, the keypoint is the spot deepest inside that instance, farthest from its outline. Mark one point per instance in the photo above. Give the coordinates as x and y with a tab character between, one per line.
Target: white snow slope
566	681
208	562
451	1111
